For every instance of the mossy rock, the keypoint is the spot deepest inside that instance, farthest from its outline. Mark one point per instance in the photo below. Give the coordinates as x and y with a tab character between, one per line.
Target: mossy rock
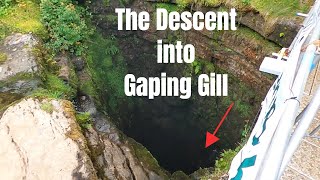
179	175
146	158
3	58
7	99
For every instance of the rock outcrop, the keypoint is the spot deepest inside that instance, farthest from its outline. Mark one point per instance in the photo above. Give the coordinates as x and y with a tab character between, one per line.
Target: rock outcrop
18	64
114	155
18	49
41	140
240	52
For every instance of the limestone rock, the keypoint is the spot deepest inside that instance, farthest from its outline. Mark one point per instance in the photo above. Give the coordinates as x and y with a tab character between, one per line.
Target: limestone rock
18	50
63	62
41	140
18	64
113	157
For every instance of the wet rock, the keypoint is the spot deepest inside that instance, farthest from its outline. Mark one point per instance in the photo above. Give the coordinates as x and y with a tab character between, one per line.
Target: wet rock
64	62
40	142
78	63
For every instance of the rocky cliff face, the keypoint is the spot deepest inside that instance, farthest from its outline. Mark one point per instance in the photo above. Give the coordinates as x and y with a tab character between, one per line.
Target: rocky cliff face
41	139
240	52
18	67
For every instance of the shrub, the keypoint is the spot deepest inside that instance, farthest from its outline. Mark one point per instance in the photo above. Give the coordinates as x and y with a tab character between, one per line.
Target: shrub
4	5
66	25
223	164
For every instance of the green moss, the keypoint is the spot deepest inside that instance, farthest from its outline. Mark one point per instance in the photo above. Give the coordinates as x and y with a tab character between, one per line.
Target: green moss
107	68
205	174
7	99
169	7
3	58
268	8
88	87
222	165
83	119
241	98
111	18
54	88
54	83
74	80
23	17
106	2
179	175
47	107
146	158
18	77
280	8
254	37
184	3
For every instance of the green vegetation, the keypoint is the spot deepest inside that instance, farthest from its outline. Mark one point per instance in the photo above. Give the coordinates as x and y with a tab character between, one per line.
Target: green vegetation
222	165
13	79
66	25
107	68
179	175
146	158
3	57
55	88
255	38
23	17
213	3
243	92
47	107
84	119
196	65
282	8
169	7
4	6
7	99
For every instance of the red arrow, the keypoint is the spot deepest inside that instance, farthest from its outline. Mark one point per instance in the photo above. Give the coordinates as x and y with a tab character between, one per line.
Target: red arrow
212	138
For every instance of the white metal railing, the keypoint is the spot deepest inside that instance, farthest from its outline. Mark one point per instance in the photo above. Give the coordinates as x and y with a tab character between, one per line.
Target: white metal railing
270	145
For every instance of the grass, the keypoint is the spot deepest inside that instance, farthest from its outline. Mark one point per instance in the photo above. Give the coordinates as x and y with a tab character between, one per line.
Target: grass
268	8
256	38
23	17
280	7
54	88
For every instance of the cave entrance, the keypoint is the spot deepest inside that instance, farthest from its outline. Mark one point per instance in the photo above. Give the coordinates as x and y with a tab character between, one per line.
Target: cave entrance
172	129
